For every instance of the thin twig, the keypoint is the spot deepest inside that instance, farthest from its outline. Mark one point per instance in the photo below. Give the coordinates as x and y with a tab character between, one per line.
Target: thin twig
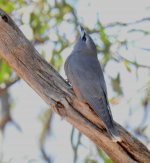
8	85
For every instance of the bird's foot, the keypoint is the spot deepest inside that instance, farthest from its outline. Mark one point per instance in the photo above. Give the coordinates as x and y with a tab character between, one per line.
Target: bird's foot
68	82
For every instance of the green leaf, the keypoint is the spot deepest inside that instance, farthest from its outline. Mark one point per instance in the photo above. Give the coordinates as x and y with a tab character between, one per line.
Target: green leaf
115	82
126	63
88	160
103	156
103	36
6	6
56	60
5	71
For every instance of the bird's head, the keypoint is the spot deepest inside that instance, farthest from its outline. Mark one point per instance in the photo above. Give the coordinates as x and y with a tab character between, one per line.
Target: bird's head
85	43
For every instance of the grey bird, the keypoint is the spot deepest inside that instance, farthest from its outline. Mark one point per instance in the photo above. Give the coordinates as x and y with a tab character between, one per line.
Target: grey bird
84	72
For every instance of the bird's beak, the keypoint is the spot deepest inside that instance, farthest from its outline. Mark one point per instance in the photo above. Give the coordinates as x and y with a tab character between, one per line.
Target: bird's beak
82	31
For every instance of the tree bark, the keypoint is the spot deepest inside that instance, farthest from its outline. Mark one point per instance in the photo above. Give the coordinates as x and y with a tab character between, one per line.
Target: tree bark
22	57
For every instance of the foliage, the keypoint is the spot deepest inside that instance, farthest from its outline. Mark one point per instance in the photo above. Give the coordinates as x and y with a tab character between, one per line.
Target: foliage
5	72
46	20
103	156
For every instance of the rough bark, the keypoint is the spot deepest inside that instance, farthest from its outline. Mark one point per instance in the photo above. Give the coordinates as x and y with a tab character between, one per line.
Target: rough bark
21	56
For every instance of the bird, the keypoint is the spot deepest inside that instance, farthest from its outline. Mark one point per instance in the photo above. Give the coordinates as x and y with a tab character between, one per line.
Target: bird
85	75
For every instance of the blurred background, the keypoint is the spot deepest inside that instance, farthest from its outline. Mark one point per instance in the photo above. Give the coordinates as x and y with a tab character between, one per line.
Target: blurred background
29	131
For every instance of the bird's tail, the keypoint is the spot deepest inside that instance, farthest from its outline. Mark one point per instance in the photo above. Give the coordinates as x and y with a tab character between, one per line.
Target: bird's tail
113	132
103	111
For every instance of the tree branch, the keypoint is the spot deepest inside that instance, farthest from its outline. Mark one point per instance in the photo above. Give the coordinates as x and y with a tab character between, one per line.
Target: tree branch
18	52
7	85
146	19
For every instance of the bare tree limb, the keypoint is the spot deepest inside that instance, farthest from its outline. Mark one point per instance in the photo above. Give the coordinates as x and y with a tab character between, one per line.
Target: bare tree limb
7	85
117	57
76	145
5	114
18	52
46	129
146	19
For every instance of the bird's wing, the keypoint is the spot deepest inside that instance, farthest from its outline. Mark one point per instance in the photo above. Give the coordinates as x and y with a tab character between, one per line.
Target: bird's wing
87	78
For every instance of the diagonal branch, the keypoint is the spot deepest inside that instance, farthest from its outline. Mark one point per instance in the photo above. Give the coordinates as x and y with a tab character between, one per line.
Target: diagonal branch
18	52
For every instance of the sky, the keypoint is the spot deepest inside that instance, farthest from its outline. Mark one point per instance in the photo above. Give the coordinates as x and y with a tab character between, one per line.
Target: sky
22	147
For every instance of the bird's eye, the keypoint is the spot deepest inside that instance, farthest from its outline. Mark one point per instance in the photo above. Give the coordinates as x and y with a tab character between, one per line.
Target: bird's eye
84	37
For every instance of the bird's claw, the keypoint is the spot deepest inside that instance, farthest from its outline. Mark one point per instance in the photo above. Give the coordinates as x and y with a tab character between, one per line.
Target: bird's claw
68	82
